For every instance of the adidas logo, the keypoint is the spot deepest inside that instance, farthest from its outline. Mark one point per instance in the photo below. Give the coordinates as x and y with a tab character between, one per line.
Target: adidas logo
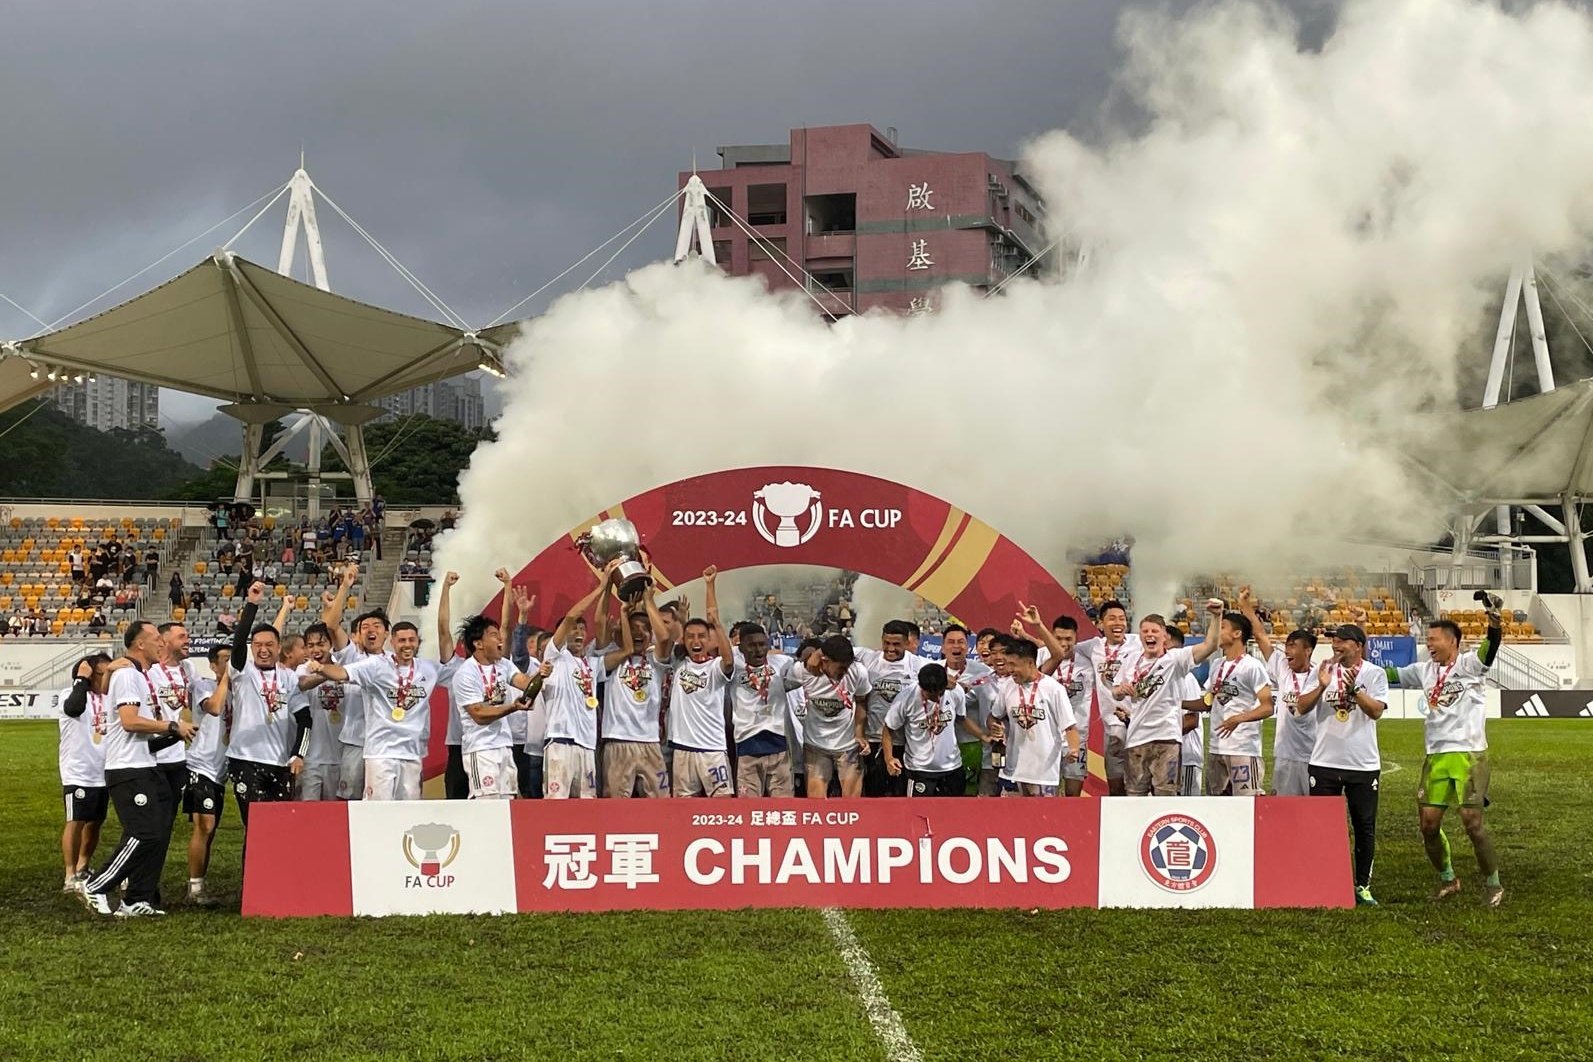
1533	708
1587	710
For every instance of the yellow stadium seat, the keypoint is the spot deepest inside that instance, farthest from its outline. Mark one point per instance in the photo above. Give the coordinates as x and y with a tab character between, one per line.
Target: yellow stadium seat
160	534
279	590
301	602
353	603
228	589
178	612
200	567
57	628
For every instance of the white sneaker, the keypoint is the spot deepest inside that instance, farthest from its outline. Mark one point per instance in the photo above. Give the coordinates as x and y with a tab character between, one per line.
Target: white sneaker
137	910
97	902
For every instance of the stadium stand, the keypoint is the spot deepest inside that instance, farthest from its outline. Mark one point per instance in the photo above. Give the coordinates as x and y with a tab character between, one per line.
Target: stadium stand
37	589
1099	583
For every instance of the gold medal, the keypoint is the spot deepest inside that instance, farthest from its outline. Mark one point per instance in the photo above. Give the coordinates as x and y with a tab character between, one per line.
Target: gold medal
337	716
591	702
1342	715
98	737
398	715
1208	698
640	695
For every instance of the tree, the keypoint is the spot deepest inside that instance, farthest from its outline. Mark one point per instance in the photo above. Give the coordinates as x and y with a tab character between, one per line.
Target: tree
423	466
50	455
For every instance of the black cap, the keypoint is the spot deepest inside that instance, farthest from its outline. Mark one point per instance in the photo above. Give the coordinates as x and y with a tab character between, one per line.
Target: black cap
1349	632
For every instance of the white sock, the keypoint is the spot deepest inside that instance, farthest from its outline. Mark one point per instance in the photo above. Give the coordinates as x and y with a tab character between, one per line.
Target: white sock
196	885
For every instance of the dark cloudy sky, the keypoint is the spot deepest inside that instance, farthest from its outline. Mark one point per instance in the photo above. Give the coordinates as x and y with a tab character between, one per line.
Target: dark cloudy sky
487	143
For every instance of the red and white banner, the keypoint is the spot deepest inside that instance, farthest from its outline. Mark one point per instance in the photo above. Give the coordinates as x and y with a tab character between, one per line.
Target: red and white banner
426	857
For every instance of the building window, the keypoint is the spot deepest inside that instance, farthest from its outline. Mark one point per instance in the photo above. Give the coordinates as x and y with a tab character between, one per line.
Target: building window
722	253
716	213
767	249
766	204
834	279
831	213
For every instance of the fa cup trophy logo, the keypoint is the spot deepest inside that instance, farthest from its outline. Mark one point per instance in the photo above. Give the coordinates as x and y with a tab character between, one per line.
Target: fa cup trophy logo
786	501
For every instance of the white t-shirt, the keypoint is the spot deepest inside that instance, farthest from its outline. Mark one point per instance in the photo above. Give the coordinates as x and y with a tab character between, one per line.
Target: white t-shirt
829	722
632	698
263	703
174	686
445	678
570	695
758	700
394	689
1077	677
697	705
1346	737
975	681
326	720
123	751
1038	713
353	729
1454	703
1156	710
929	728
207	754
887	679
1108	662
1235	687
1193	753
485	684
81	751
1295	736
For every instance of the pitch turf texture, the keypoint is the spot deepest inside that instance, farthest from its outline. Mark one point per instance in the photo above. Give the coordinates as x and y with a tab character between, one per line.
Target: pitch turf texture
1407	980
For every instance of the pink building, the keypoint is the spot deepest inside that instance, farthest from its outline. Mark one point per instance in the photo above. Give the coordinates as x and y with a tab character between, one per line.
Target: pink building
875	224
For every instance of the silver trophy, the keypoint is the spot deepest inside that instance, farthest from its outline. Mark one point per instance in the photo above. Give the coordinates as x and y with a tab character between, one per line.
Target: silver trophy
602	542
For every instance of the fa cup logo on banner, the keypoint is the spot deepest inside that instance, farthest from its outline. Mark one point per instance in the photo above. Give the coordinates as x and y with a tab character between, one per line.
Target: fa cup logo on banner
786	501
424	847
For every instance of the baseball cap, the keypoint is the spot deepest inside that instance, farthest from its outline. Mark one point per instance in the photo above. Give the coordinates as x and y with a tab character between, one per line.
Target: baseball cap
1349	632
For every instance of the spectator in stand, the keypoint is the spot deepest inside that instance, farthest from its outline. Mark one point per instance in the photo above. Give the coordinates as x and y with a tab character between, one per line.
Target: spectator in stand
246	555
449	519
98	563
78	565
113	547
307	540
97	620
223	522
175	592
196	599
38	625
357	535
379	510
151	566
125	599
288	558
129	566
17	625
226	620
104	587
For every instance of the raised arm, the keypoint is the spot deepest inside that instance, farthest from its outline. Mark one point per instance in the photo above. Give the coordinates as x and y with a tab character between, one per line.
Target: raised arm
561	634
661	643
1209	646
217	700
281	620
240	634
1030	616
508	594
445	635
627	647
333	606
603	619
727	652
1494	638
1247	609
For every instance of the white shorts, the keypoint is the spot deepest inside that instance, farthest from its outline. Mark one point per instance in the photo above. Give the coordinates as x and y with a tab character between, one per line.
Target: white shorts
568	771
392	779
317	781
492	774
701	774
351	774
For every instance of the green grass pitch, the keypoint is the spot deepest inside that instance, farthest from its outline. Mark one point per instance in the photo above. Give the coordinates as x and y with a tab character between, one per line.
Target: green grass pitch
1407	980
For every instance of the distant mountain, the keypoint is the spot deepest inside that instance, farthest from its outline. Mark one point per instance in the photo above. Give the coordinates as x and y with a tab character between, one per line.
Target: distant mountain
220	436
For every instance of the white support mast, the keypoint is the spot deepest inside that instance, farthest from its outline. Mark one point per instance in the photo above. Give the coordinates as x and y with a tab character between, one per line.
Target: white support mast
694	223
351	448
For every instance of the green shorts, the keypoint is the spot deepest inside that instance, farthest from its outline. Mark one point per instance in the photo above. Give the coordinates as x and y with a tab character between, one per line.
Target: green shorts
1454	779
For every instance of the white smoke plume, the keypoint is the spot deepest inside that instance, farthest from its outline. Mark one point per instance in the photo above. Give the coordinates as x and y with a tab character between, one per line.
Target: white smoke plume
1288	260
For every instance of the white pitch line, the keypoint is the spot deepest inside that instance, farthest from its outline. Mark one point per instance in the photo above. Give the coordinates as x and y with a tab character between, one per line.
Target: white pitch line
887	1023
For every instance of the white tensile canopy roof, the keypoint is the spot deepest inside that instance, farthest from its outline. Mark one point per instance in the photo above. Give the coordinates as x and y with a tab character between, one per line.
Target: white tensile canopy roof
242	333
18	384
1531	450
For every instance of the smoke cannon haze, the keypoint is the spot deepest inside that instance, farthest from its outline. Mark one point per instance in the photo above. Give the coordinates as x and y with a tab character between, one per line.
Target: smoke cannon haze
1287	260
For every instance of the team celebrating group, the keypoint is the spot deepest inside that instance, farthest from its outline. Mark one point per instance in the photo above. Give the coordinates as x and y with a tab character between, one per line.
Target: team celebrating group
633	697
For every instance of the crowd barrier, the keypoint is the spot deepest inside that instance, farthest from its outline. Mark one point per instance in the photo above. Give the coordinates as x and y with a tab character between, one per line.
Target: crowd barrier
496	857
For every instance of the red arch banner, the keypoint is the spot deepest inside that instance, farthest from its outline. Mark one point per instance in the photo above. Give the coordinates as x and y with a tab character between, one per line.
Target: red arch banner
777	514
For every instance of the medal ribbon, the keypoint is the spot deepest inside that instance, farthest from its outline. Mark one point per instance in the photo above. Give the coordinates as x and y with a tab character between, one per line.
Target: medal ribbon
268	693
931	722
1438	686
406	682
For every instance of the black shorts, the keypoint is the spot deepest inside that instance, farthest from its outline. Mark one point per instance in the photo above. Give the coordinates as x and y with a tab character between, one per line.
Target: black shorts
251	781
86	803
937	783
203	797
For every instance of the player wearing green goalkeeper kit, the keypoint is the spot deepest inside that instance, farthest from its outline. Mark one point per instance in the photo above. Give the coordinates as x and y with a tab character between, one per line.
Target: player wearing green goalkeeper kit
1455	771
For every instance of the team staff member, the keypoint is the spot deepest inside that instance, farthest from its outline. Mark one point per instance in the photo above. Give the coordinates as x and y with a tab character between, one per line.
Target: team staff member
1350	697
81	756
1455	770
137	787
